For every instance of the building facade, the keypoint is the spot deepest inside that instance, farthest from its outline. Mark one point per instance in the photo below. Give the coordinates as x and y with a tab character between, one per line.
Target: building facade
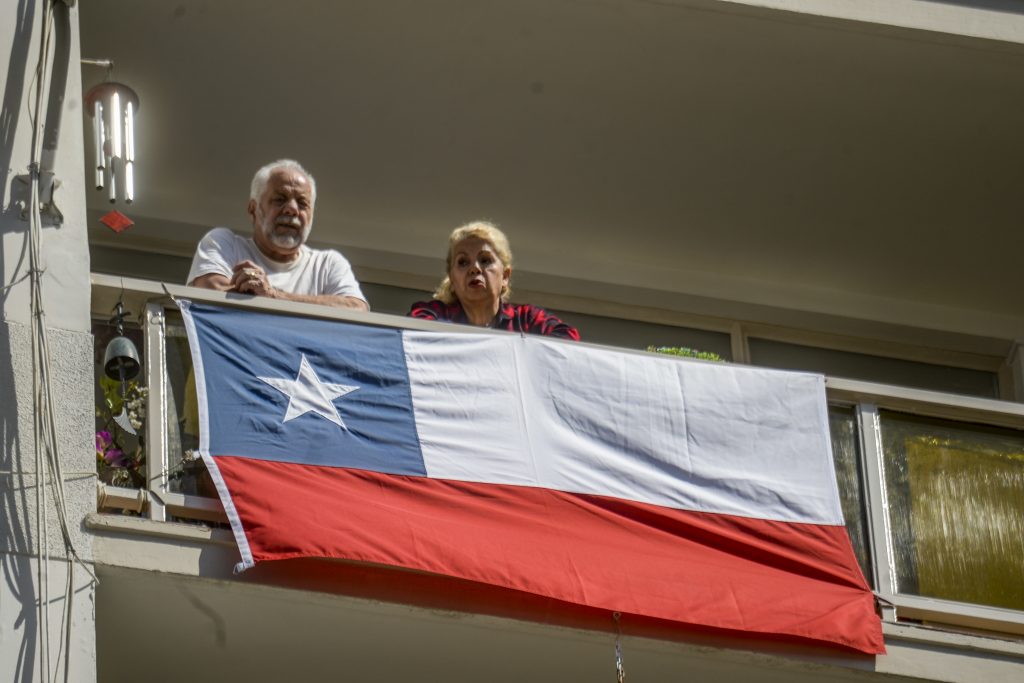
809	186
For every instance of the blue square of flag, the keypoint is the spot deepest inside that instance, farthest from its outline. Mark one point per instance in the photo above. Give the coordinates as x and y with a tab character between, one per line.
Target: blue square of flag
305	391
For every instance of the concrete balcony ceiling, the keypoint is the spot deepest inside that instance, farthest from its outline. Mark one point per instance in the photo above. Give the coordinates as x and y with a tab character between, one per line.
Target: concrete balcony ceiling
860	168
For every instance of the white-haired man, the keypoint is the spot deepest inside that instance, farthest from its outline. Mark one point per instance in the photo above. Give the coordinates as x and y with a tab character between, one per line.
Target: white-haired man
275	261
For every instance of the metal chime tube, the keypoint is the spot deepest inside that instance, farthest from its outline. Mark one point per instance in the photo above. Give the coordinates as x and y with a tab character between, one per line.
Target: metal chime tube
97	129
112	195
129	152
115	142
115	125
109	165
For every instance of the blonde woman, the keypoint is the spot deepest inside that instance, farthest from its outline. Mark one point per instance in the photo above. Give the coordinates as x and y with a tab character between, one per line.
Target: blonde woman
476	289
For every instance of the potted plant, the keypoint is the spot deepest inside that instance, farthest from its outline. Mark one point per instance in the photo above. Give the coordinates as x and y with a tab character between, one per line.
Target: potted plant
120	440
686	353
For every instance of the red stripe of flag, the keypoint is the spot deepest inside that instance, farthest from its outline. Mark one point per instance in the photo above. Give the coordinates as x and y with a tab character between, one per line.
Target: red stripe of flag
699	569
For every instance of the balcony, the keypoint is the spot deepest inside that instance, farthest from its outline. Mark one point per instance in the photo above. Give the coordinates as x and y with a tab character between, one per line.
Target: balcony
932	489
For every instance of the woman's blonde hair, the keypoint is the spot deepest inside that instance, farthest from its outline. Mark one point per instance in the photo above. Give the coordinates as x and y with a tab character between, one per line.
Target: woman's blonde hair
485	231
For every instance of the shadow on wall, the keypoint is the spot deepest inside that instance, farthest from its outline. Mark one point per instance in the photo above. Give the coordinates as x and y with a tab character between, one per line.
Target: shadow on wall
16	580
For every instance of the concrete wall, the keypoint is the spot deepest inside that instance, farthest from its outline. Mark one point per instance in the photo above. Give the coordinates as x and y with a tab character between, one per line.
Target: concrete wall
24	579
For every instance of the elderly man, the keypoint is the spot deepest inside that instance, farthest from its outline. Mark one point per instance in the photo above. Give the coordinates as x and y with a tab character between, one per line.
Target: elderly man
275	261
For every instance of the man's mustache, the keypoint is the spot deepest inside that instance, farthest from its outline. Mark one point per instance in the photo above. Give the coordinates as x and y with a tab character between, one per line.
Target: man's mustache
289	222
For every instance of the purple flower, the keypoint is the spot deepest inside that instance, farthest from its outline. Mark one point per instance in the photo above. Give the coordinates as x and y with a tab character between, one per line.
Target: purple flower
105	449
115	457
103	442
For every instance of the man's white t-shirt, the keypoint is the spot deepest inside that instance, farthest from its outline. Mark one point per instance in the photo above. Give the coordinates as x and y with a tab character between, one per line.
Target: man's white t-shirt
315	272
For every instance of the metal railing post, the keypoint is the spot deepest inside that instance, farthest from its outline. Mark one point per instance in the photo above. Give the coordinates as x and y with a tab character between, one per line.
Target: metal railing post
156	409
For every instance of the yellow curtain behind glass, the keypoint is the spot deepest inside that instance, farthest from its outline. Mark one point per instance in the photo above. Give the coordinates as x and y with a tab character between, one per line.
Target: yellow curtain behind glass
967	507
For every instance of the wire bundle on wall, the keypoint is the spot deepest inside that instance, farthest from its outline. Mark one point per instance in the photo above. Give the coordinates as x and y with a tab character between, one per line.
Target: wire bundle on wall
47	452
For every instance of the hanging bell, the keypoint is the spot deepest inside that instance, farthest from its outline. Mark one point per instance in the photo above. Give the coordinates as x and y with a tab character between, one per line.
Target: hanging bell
121	359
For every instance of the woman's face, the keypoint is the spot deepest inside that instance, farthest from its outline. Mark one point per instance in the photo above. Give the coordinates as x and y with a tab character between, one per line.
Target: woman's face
477	274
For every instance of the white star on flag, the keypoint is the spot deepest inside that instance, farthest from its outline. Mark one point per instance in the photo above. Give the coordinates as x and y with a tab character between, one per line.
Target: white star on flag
307	394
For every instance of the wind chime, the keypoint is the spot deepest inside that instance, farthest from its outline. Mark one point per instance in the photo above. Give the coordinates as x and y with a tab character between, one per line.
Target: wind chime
113	107
121	362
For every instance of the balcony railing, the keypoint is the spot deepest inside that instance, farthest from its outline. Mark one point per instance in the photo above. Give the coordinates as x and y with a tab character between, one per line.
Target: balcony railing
932	484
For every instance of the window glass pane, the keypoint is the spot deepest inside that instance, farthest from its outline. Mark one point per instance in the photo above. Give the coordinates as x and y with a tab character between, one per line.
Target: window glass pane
185	470
633	334
390	299
842	422
956	506
595	329
137	263
874	368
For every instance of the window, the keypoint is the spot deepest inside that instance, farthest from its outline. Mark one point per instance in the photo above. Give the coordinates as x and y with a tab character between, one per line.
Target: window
874	368
956	508
842	422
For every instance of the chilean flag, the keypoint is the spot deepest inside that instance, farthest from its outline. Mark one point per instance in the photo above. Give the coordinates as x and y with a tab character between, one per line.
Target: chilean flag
698	493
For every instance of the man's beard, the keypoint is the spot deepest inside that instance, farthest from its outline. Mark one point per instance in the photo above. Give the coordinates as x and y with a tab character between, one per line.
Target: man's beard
288	239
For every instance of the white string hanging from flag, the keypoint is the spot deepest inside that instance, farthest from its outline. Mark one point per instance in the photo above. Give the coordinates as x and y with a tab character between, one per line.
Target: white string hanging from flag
113	107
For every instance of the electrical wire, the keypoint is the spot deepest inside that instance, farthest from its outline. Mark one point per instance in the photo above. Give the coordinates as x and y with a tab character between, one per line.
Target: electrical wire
38	372
48	469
